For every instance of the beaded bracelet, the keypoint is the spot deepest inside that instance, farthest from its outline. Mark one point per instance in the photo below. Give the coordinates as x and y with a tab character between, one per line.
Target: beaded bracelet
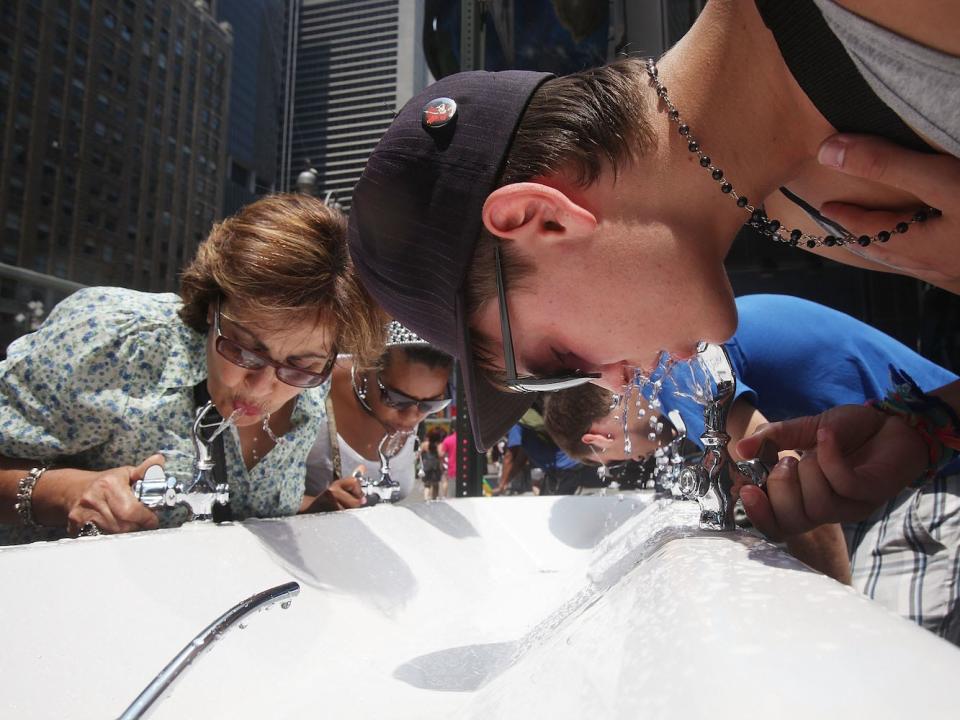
935	421
24	504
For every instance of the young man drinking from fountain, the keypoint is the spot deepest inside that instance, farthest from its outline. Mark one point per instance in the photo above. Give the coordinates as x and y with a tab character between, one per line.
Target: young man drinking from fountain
579	209
793	357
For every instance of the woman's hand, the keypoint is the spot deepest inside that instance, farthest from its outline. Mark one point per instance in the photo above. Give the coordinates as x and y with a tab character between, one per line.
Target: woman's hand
930	250
342	494
854	458
107	501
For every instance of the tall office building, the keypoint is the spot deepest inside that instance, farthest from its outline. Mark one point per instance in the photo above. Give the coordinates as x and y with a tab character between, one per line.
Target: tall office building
112	114
351	65
256	96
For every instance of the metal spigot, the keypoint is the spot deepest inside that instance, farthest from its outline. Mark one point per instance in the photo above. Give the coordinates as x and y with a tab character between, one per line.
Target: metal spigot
202	497
713	480
237	615
384	488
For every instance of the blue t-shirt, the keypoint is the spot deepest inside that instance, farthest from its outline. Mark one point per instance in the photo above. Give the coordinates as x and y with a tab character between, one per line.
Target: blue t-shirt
543	454
793	357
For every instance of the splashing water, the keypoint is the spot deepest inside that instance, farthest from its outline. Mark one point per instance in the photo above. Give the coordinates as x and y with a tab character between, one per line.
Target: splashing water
224	424
625	420
393	443
688	379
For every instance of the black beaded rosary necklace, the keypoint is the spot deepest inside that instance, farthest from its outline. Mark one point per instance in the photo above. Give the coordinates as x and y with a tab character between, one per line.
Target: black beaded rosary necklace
758	218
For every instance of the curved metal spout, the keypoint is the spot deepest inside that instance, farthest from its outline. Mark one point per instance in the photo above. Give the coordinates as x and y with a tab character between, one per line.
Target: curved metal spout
713	479
281	593
384	458
203	461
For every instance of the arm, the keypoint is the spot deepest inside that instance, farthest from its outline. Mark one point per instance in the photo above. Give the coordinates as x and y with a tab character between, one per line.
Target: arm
823	548
342	494
65	497
931	249
506	470
854	458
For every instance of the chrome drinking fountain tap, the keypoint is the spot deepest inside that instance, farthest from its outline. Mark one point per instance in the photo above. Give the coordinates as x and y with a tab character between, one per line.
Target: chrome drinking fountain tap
203	497
385	488
712	480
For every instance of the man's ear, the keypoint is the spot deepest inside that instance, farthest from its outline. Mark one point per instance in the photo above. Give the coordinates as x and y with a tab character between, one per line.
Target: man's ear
601	441
529	210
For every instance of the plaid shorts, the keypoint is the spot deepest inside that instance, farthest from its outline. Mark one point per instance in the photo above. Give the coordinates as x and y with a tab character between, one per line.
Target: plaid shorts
906	556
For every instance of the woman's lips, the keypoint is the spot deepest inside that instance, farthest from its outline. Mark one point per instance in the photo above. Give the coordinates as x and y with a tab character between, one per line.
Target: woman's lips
247	408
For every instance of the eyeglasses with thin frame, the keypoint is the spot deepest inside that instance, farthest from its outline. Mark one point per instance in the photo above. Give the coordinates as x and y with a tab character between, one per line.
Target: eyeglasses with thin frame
252	360
529	383
391	397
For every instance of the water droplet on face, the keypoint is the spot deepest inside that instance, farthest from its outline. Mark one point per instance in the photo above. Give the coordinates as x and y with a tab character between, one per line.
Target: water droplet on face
652	437
224	424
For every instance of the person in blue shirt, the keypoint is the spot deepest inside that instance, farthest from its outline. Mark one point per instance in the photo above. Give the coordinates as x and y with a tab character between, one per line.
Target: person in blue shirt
791	358
528	442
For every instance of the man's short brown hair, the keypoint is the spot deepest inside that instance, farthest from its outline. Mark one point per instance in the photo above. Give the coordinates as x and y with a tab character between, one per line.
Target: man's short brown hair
285	255
568	414
578	125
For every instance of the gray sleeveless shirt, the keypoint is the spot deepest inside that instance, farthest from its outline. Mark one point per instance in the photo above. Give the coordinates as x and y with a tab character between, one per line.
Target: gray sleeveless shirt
921	85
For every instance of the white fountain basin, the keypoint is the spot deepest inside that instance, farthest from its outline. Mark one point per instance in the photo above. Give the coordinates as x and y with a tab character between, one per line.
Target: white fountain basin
571	607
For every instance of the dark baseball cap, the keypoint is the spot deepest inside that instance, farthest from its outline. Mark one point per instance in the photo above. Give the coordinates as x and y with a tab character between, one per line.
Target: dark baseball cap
416	217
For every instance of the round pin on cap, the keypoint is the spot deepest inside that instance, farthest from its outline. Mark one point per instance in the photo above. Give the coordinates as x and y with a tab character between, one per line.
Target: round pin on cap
439	112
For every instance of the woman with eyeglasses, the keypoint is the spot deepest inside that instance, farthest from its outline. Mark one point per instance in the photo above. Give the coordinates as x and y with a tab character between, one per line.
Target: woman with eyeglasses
377	409
111	382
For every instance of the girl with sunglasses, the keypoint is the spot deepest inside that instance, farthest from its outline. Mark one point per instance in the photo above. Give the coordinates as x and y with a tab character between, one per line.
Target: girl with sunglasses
376	409
114	376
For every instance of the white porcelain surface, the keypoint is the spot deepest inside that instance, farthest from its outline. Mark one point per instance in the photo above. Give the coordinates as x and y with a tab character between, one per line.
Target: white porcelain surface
572	607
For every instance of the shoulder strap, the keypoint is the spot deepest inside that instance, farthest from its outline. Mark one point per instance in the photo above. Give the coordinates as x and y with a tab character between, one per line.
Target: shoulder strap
828	76
334	441
201	396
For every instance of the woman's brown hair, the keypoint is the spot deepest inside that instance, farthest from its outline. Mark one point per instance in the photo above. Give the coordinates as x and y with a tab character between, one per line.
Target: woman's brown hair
284	255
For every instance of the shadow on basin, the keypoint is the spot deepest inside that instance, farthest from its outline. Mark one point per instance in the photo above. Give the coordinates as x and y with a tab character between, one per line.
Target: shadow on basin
444	518
582	522
339	552
456	669
763	552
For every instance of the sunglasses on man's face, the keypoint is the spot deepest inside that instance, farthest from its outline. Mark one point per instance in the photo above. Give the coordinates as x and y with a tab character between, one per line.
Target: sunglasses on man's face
252	360
560	381
393	398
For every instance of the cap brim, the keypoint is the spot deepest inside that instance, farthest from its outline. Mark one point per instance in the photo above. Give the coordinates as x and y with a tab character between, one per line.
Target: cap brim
492	411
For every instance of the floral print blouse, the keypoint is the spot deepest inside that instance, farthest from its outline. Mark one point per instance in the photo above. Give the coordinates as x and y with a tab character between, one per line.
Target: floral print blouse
108	381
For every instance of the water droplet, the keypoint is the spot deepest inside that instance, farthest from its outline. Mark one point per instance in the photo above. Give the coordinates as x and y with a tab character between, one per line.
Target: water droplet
242	626
285	605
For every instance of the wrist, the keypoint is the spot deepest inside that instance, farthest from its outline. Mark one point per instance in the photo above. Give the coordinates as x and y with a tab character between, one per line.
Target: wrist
55	496
24	497
934	421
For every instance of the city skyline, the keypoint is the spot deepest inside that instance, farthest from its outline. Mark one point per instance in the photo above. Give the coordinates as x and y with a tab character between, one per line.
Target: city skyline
113	115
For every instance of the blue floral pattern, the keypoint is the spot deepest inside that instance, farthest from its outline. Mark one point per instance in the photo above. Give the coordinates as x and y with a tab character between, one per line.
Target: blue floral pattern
108	381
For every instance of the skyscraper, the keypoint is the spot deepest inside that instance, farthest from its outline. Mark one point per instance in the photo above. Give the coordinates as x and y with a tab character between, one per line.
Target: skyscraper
113	140
351	65
253	125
